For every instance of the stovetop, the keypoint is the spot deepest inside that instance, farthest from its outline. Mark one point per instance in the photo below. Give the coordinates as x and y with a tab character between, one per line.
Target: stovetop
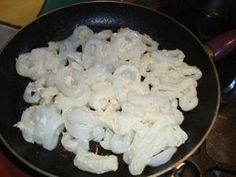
217	156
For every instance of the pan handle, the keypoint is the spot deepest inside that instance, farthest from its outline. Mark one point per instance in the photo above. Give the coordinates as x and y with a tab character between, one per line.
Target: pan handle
223	44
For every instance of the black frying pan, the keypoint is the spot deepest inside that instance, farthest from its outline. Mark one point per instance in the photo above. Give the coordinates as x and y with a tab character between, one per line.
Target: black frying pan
99	16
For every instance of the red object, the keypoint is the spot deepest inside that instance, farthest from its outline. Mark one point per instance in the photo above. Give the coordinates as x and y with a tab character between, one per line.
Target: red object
8	169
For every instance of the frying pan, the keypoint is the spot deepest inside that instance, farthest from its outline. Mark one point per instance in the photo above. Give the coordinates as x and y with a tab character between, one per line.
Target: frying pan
59	24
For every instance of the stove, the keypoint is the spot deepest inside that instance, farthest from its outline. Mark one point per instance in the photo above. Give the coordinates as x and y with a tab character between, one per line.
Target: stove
217	155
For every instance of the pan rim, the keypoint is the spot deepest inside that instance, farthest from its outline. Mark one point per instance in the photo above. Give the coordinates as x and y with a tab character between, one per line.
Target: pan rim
161	14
